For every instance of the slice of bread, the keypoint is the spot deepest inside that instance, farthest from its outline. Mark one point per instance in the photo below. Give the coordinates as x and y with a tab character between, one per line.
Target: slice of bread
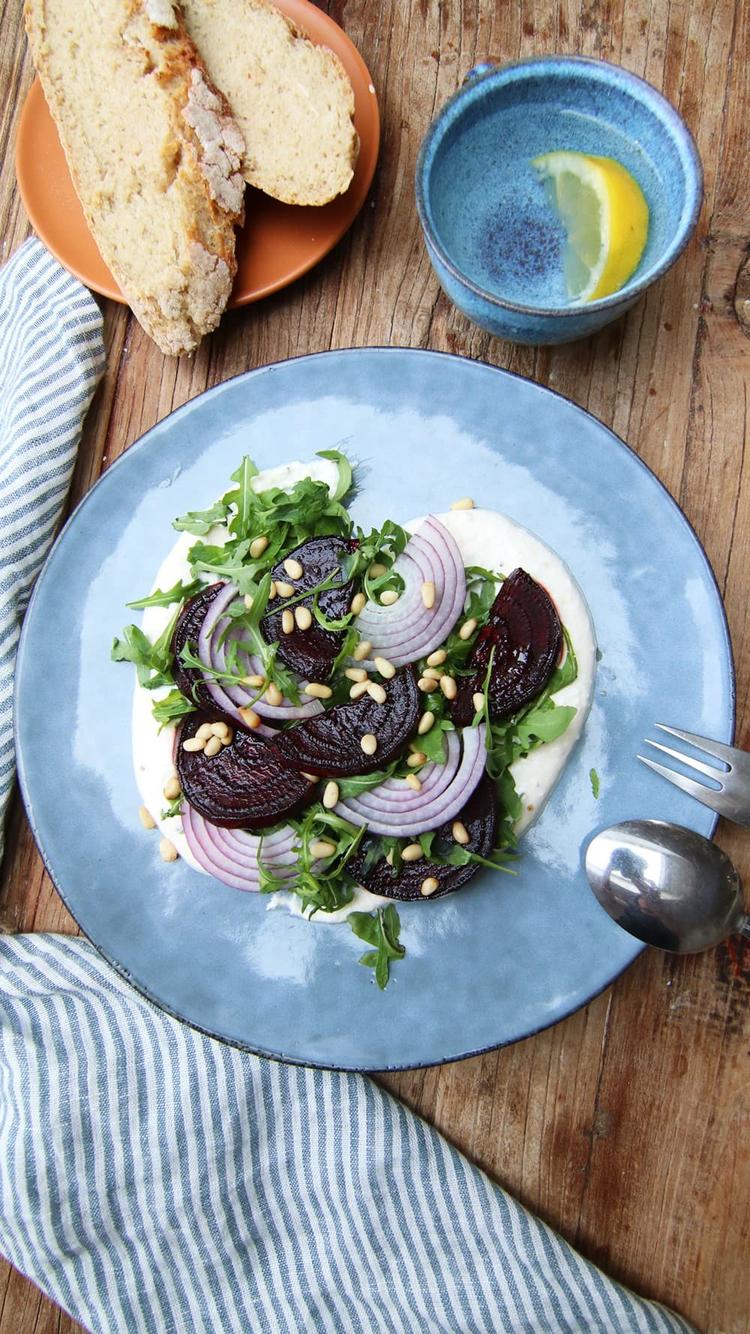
292	99
154	154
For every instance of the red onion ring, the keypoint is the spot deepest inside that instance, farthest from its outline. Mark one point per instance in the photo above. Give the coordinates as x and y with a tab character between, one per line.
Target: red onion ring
407	630
230	699
395	809
231	855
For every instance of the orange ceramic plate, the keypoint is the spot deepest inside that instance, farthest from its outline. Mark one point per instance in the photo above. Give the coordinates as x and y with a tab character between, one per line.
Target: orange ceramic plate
278	243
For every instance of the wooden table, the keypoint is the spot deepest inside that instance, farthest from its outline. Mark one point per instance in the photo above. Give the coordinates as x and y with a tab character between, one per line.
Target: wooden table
628	1126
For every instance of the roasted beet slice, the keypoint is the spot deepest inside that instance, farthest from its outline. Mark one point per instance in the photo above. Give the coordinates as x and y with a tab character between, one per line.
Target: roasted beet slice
247	785
479	816
311	652
525	631
186	631
330	742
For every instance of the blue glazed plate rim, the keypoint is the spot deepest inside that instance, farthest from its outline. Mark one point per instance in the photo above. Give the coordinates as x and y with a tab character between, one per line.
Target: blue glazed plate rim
632	290
145	441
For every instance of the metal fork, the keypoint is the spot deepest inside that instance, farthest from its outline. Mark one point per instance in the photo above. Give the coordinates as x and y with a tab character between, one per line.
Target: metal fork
732	797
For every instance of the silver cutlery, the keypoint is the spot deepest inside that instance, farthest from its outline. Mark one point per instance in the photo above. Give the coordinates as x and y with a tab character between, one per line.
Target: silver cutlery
666	885
731	796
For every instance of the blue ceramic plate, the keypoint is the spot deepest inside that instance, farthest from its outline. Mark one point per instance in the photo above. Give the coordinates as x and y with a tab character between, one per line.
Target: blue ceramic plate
497	961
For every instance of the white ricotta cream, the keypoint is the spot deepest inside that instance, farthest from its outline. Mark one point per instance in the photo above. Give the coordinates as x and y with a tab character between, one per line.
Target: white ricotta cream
484	538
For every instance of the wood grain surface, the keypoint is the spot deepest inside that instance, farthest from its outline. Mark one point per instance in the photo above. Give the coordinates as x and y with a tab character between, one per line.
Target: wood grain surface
627	1127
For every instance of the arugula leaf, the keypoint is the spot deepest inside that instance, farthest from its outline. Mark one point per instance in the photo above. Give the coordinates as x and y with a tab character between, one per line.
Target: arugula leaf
172	809
201	521
543	722
432	744
351	787
595	783
153	662
179	592
243	498
380	928
344	484
174	705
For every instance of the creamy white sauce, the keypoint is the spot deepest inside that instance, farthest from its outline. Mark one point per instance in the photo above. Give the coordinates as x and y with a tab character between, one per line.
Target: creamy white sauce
484	538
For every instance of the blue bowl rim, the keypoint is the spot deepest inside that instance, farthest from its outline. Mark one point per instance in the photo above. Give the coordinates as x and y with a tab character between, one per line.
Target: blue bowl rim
603	71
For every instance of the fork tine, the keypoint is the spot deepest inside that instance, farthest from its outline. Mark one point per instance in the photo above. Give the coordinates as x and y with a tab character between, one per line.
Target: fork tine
706	795
716	748
689	761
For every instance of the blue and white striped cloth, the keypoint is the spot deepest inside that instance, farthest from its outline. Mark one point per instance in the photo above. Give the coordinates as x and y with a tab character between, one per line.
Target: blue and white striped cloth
153	1180
51	358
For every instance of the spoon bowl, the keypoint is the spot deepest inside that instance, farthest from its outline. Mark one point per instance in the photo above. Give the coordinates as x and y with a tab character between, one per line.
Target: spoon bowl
666	885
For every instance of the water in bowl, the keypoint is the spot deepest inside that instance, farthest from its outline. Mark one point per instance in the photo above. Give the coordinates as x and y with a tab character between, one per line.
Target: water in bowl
492	213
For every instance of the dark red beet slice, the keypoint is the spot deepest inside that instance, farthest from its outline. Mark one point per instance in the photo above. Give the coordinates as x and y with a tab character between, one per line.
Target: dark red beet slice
311	652
525	631
330	742
479	815
186	631
246	786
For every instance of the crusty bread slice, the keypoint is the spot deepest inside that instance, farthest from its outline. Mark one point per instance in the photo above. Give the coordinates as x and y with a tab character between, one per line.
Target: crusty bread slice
154	154
292	99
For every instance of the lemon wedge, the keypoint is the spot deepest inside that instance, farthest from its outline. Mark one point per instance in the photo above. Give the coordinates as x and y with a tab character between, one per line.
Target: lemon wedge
605	217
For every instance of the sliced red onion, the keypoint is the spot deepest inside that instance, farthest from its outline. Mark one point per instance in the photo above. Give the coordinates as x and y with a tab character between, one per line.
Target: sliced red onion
408	630
231	855
212	653
395	809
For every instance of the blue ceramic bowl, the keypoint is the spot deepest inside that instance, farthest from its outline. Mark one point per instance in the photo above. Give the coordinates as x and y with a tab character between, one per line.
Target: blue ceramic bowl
494	242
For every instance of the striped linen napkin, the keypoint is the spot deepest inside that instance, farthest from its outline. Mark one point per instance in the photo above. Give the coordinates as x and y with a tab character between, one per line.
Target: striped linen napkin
154	1180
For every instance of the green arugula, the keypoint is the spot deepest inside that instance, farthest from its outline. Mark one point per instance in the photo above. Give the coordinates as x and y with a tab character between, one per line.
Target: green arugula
380	929
595	783
173	706
172	809
153	662
179	592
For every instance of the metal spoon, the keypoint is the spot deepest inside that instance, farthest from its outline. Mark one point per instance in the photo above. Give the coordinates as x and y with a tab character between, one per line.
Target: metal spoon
666	885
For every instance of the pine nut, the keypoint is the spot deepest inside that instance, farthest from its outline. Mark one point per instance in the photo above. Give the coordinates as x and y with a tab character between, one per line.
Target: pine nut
248	601
273	695
389	858
377	569
369	743
172	789
193	744
376	692
220	730
478	702
287	621
427	684
416	759
356	673
212	746
272	591
331	795
448	686
429	886
303	617
412	852
388	598
460	832
465	503
254	681
321	848
358	603
293	568
362	651
437	658
284	590
386	668
358	690
167	850
425	722
468	628
311	778
204	732
433	673
258	546
317	690
228	738
428	594
414	782
146	818
250	718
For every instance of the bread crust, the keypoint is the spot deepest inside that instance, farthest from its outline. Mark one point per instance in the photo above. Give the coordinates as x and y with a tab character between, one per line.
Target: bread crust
198	188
